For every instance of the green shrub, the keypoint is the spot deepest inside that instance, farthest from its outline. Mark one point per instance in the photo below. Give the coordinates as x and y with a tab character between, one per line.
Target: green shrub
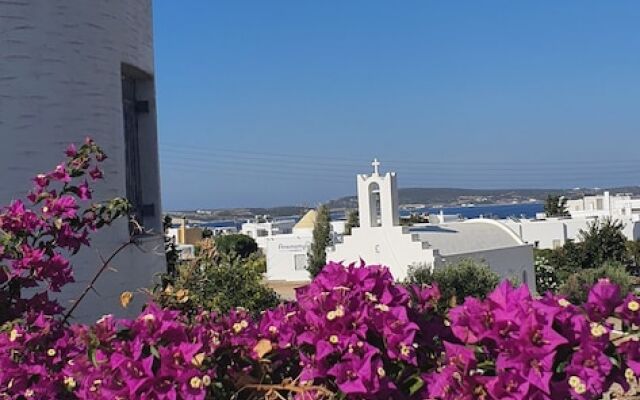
633	253
236	245
604	241
317	255
258	262
555	206
456	281
218	283
207	233
575	288
353	221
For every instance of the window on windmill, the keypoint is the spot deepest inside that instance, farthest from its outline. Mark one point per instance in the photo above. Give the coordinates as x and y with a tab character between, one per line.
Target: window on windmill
140	143
300	262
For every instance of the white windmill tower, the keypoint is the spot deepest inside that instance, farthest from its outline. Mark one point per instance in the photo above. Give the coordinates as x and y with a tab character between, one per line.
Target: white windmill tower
74	68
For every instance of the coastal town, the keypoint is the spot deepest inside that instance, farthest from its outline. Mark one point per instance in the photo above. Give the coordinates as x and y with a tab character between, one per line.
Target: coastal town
286	241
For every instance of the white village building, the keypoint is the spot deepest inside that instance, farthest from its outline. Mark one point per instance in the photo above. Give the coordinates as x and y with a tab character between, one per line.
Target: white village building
260	229
381	240
287	253
547	233
622	206
71	69
550	233
267	227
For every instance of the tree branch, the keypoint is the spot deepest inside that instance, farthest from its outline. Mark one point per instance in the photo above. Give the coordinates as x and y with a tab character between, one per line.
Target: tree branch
89	287
270	389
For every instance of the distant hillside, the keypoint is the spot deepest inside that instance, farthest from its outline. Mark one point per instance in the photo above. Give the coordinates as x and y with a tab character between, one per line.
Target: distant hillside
239	213
456	196
414	196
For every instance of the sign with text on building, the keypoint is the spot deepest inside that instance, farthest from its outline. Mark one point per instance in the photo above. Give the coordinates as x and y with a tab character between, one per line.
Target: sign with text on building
295	248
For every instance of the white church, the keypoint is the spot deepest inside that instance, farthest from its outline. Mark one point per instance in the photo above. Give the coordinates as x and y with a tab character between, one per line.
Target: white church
381	239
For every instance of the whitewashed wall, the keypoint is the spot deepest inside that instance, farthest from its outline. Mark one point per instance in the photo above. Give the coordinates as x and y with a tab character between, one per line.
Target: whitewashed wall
543	232
384	245
555	232
281	251
513	262
60	81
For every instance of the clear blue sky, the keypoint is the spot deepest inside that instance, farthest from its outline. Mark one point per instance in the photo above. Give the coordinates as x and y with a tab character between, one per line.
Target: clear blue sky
264	103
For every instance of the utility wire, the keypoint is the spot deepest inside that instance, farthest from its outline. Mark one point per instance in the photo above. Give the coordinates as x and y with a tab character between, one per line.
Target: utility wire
310	169
359	161
488	183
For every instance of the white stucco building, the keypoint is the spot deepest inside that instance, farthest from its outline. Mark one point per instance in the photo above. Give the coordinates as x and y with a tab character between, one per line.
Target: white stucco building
622	206
287	257
290	230
553	232
262	229
71	69
287	254
381	240
547	233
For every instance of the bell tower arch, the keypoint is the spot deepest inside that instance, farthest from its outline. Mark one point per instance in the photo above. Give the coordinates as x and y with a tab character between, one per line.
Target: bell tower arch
378	199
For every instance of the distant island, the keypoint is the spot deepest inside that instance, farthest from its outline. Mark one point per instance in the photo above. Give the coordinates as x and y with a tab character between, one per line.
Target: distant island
414	198
448	197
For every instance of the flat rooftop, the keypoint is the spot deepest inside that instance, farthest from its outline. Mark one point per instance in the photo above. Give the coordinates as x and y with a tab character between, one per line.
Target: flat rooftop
467	236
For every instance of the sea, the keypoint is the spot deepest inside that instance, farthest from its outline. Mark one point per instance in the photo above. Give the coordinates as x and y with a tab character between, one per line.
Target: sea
523	210
520	210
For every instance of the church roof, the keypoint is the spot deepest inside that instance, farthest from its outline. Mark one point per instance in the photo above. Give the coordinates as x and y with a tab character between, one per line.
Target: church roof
467	236
308	221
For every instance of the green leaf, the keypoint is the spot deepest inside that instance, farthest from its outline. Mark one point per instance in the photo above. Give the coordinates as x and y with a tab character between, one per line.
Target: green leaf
416	386
92	356
154	352
561	366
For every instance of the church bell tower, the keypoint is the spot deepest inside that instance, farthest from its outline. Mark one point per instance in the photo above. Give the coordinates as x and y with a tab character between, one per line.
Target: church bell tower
378	199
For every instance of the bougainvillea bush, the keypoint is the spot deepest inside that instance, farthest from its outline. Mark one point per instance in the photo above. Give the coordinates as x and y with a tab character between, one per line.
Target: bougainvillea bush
352	333
37	236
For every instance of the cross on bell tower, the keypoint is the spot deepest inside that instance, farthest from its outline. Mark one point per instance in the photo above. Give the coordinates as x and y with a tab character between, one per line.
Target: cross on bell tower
376	166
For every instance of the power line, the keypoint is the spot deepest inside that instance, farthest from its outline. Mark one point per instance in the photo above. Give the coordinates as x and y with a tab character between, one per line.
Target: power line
359	162
311	170
429	180
255	161
254	173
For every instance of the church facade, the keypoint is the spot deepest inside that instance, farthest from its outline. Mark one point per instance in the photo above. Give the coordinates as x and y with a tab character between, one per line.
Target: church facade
380	239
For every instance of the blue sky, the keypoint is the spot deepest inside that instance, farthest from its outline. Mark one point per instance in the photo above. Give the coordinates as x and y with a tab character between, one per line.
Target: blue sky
264	103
